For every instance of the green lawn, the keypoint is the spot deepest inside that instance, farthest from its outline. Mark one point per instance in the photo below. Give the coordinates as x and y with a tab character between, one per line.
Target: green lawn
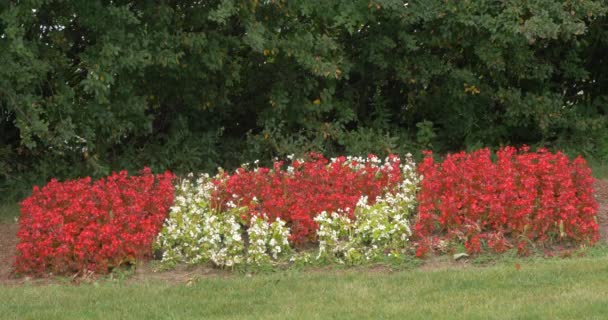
574	288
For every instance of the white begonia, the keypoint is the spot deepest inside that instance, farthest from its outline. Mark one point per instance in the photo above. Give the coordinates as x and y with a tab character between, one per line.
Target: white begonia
333	233
194	232
267	240
257	232
378	228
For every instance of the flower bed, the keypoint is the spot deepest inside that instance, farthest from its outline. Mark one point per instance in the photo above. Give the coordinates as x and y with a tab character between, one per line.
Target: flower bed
352	210
80	225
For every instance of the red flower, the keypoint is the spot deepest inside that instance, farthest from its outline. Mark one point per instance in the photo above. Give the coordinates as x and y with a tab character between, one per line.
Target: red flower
539	196
76	225
299	193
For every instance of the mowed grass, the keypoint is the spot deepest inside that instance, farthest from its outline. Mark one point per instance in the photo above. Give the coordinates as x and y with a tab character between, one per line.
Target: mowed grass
575	288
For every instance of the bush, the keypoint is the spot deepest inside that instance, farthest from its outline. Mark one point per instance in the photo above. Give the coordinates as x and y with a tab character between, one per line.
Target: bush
306	188
80	225
522	198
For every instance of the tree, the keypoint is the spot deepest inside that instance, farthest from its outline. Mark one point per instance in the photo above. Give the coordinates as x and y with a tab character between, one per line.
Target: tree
91	86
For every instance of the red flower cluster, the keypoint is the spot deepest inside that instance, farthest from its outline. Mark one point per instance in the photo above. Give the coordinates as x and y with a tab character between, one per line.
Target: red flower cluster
523	197
78	225
306	188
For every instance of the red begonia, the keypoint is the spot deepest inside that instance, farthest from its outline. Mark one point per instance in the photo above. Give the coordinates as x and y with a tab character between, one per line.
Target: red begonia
80	225
523	197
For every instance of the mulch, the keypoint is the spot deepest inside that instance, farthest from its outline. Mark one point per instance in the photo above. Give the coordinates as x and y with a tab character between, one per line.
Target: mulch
8	241
601	194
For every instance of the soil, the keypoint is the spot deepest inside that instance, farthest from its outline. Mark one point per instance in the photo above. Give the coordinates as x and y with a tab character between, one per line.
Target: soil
8	241
601	194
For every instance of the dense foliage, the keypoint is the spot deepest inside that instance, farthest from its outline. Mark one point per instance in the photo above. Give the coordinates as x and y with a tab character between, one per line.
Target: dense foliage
522	199
87	87
80	225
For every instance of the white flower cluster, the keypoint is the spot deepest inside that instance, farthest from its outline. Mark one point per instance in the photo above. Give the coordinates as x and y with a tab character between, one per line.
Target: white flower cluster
380	227
267	239
196	233
334	233
358	163
377	229
228	246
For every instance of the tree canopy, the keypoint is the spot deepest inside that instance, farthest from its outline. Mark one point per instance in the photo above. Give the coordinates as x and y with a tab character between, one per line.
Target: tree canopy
90	86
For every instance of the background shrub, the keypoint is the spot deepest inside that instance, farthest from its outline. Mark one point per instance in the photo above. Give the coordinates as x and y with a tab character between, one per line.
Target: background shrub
88	87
